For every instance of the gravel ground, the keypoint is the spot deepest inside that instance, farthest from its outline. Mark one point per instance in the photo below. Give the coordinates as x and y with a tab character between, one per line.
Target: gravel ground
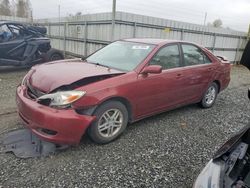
166	150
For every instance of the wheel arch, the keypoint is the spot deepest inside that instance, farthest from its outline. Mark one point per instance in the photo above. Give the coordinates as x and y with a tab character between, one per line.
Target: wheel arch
125	102
218	84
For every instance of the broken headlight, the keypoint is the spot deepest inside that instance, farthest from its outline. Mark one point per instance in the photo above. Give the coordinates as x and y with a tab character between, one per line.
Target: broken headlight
62	99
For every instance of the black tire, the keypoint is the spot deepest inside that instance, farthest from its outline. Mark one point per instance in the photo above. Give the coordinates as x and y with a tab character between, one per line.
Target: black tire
205	102
53	55
107	107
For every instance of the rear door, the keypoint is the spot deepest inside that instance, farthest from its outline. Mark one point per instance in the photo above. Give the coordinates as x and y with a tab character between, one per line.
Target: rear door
198	70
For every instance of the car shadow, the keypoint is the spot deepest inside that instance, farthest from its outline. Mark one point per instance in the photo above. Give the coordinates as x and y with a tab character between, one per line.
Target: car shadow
166	113
86	141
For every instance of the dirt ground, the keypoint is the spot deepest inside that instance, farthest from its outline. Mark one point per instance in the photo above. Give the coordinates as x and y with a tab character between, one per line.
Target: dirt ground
166	150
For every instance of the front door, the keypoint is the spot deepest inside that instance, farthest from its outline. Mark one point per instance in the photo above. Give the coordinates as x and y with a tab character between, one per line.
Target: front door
158	92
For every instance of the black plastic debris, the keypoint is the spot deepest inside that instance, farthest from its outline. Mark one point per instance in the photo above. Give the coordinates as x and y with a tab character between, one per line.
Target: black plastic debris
24	144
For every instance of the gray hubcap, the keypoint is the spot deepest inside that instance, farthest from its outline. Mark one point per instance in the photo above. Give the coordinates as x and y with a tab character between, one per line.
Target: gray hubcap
110	123
210	95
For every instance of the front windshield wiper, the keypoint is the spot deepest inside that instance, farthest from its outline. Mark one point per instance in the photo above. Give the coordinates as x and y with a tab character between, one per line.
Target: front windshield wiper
100	64
85	60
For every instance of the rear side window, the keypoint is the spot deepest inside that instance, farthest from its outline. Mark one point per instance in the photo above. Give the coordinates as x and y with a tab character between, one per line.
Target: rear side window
193	55
168	57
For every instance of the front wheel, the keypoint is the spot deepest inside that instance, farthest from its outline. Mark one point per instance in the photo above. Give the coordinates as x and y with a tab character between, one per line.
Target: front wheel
210	96
111	121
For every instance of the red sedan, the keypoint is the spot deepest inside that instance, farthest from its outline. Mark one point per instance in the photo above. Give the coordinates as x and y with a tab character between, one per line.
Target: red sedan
122	83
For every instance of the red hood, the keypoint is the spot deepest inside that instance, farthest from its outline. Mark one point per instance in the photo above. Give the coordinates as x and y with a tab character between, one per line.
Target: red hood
50	76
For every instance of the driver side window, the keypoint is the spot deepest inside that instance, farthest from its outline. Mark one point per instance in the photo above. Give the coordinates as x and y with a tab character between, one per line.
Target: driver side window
168	57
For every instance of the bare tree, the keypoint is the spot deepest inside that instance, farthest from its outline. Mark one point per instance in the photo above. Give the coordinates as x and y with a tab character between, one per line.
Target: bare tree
75	15
5	8
23	8
217	23
78	14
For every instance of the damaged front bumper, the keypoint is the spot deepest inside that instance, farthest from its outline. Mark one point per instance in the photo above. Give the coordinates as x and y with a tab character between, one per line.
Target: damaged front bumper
61	126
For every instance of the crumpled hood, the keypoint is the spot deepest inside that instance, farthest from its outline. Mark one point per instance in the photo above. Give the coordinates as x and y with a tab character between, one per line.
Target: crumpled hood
49	76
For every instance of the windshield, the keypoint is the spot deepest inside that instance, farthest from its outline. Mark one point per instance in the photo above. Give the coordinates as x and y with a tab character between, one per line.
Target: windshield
121	55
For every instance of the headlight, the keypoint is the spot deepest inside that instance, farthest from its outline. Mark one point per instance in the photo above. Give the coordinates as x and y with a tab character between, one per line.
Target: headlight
62	98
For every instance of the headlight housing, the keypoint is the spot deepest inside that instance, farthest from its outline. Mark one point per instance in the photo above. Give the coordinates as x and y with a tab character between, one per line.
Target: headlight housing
62	99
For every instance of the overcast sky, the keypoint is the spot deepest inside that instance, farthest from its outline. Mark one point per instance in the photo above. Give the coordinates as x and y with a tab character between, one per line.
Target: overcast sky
233	13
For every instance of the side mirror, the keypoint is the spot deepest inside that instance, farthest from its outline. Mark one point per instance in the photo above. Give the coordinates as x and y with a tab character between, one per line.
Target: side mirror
152	69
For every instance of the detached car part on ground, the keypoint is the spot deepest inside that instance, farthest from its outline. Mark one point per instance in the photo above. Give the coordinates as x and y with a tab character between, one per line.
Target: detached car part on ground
122	83
230	166
25	45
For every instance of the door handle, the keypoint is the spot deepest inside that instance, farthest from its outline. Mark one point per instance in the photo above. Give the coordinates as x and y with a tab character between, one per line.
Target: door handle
210	69
178	75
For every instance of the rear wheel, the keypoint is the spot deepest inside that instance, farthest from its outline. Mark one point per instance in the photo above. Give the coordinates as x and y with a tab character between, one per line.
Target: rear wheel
53	55
111	121
210	96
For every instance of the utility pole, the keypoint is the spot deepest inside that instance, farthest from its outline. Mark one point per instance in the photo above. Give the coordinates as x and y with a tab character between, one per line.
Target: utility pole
205	19
59	24
204	25
113	20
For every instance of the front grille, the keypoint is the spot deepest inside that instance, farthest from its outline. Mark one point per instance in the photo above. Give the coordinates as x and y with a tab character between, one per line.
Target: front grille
33	92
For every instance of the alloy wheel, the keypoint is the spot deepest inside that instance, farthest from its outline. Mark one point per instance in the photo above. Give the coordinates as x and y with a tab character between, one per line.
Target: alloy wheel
210	95
110	123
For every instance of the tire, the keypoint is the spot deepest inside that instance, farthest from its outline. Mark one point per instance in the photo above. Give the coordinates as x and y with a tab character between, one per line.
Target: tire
210	96
104	130
53	55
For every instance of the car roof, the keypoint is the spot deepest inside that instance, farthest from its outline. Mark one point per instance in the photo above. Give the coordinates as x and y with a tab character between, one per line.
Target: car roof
155	41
